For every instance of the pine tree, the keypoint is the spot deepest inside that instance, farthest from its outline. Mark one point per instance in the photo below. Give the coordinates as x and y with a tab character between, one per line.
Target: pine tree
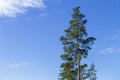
76	45
92	72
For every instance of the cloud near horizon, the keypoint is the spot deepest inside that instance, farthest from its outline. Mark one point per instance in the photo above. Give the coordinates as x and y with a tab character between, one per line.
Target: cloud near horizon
10	8
17	64
110	50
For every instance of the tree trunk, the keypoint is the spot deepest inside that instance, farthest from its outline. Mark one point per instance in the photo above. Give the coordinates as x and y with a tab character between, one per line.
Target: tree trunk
79	77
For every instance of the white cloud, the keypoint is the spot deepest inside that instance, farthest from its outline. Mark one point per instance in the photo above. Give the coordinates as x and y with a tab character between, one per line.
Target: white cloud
110	50
17	64
11	8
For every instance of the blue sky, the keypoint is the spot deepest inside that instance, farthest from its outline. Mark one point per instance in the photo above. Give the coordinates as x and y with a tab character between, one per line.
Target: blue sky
30	48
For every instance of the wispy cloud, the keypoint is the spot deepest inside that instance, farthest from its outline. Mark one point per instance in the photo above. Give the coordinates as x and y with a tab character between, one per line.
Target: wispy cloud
110	50
54	0
44	14
17	64
11	8
113	37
